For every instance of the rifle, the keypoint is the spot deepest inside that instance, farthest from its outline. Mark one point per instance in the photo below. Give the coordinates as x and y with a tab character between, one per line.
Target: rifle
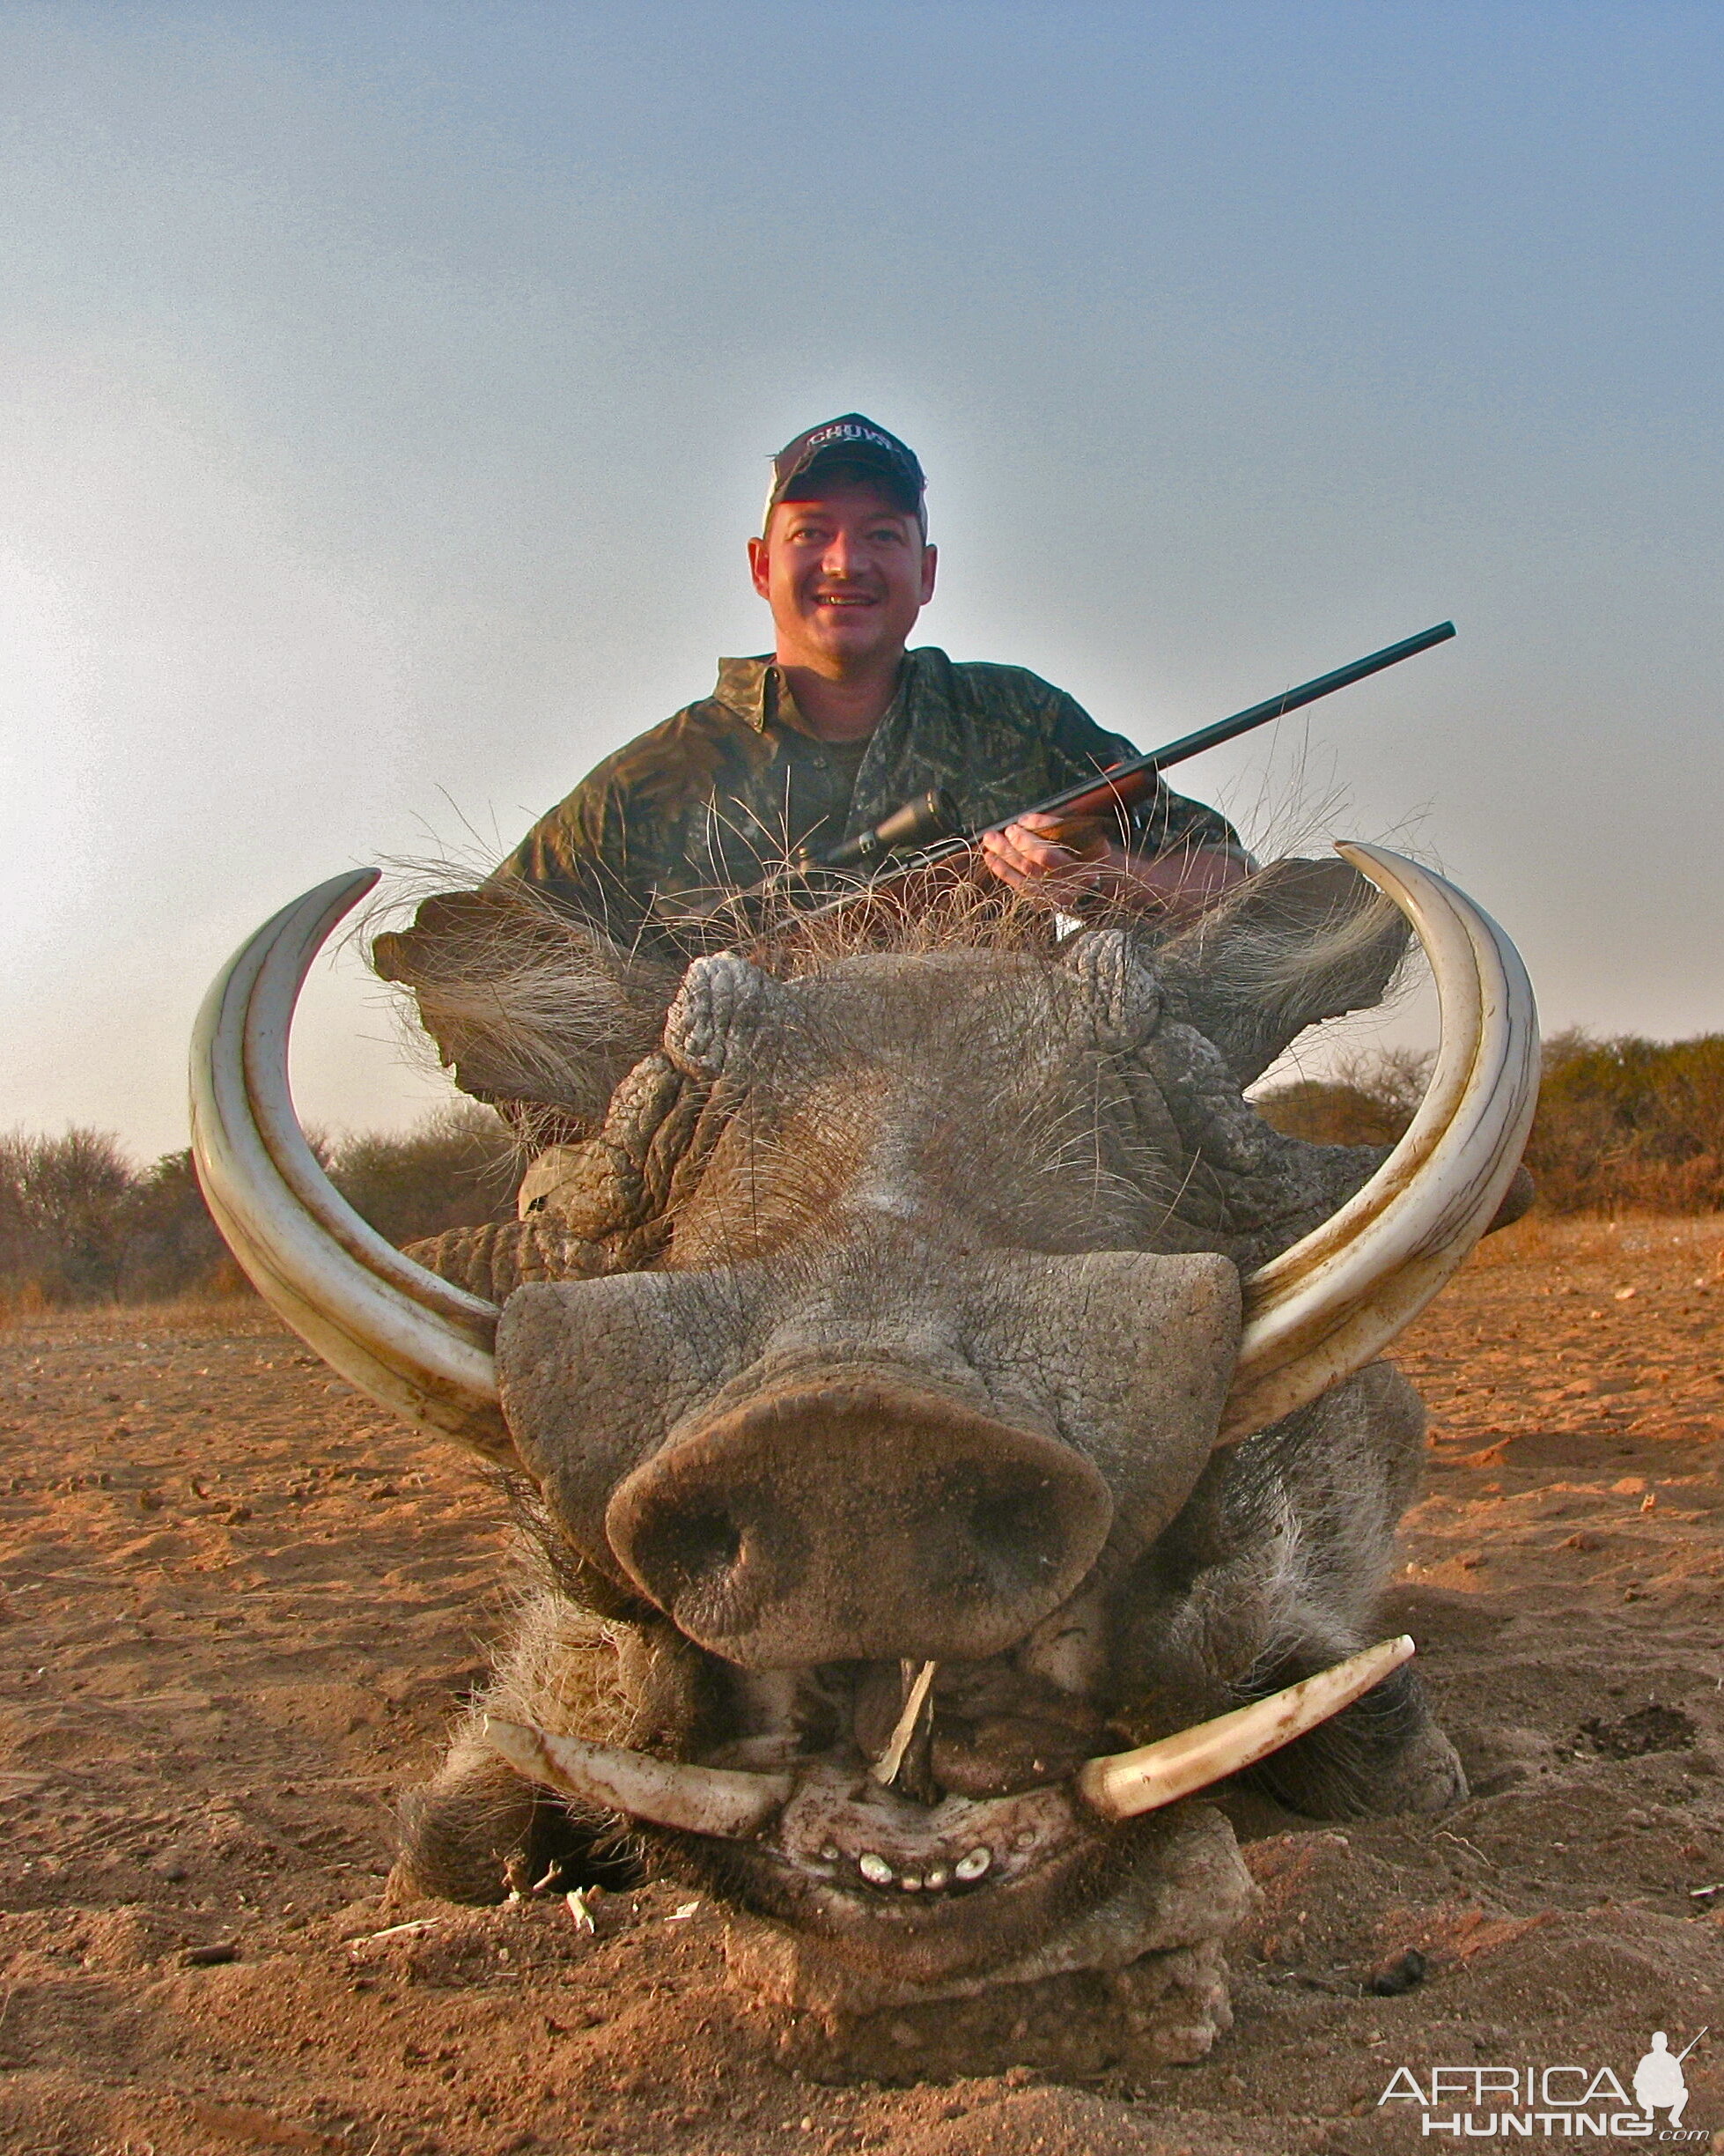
931	828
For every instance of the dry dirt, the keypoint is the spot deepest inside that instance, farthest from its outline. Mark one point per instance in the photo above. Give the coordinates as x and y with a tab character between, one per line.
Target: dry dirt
238	1605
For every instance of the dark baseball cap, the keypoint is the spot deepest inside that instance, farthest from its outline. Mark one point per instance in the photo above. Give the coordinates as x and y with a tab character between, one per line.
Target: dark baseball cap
850	440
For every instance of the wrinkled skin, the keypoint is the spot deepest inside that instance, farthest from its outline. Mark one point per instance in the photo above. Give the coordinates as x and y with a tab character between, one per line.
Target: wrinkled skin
929	1367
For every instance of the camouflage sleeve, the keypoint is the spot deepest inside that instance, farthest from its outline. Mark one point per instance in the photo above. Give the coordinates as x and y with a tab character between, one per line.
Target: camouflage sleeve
1164	819
578	856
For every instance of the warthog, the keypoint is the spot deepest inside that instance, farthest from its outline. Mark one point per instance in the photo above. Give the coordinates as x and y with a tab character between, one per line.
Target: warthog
944	1392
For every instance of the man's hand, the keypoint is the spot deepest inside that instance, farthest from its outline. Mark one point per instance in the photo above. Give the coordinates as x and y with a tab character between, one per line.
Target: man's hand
1051	857
1059	862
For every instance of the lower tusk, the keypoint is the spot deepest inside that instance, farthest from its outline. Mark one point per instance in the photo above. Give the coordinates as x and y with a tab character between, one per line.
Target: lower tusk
885	1769
1121	1787
705	1800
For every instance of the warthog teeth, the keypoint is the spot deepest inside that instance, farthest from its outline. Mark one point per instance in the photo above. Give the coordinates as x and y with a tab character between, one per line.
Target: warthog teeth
1128	1783
878	1872
703	1800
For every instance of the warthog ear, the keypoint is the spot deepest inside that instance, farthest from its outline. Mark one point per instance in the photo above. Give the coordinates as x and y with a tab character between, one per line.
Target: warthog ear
526	1003
722	1009
1127	996
1300	942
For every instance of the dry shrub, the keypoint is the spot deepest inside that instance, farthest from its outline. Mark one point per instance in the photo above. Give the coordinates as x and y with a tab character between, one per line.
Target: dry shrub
457	1169
80	1223
62	1206
1370	1102
1622	1125
1630	1124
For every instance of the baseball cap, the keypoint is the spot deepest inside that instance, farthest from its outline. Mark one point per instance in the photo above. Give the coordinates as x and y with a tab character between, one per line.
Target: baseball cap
850	440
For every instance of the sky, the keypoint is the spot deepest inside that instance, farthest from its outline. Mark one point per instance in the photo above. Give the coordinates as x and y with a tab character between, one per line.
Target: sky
386	393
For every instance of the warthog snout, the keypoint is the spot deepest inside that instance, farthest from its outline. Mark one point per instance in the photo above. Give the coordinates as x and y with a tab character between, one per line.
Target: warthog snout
858	1520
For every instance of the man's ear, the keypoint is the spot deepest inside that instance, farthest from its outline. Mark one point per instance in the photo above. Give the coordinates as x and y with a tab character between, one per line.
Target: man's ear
930	564
759	565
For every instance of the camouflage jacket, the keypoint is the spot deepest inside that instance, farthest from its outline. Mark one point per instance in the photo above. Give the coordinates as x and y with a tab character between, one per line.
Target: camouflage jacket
717	797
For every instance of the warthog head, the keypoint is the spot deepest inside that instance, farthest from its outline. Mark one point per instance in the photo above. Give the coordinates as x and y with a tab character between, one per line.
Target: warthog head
942	1380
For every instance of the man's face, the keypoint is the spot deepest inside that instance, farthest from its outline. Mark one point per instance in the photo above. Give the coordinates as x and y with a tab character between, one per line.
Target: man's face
845	575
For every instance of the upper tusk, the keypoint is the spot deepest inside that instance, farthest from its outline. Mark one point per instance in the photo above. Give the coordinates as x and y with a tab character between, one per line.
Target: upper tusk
1121	1787
413	1341
1330	1305
705	1800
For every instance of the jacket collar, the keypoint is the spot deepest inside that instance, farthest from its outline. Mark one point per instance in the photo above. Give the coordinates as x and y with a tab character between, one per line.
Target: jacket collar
750	687
742	688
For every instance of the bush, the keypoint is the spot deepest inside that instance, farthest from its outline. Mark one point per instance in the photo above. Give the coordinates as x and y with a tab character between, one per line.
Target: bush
1630	1123
172	1246
80	1223
458	1168
1621	1124
1371	1103
62	1214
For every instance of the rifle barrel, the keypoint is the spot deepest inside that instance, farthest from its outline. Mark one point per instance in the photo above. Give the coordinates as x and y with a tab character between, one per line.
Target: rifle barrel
1126	783
1242	722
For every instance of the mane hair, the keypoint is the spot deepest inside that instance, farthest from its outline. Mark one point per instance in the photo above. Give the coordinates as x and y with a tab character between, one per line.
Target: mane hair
564	1028
532	1005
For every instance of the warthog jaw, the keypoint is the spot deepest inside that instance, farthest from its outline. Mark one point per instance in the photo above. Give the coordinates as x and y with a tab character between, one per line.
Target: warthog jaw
960	1841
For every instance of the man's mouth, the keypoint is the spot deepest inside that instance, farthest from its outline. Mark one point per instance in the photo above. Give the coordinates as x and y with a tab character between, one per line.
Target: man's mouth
845	599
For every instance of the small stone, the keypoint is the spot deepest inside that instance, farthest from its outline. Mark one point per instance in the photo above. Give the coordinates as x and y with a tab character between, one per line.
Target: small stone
1401	1972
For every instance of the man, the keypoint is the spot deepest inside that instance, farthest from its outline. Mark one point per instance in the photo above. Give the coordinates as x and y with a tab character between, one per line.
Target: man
843	723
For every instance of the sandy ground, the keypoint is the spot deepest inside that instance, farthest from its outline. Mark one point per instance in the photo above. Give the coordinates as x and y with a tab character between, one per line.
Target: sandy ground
238	1605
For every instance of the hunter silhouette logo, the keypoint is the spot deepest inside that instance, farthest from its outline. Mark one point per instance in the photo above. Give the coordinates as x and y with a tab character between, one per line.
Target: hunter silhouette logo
1565	2102
1660	2083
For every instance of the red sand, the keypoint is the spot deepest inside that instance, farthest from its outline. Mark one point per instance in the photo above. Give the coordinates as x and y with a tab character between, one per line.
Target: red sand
236	1605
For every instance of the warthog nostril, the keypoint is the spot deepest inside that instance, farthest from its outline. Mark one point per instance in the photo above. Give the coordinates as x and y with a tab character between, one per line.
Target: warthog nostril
692	1548
1017	1534
859	1521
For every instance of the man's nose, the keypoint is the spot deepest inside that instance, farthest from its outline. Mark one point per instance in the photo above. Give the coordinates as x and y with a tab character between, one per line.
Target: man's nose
842	557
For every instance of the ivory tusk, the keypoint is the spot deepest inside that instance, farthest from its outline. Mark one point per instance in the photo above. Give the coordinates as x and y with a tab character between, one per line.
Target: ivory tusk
703	1800
413	1341
885	1768
1332	1302
1128	1783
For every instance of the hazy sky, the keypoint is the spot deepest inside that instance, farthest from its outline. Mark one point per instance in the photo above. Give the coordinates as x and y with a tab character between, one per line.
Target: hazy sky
388	392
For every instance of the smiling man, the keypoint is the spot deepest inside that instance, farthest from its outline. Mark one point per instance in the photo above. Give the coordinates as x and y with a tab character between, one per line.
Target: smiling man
842	724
